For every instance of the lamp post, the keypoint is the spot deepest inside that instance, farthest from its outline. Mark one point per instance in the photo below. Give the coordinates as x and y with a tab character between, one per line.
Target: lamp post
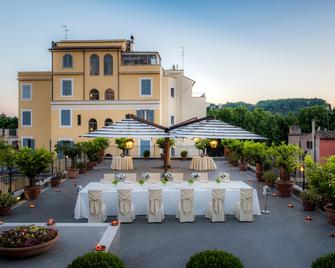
302	170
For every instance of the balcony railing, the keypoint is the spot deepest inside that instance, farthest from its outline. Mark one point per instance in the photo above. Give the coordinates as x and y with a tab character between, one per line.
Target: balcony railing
140	59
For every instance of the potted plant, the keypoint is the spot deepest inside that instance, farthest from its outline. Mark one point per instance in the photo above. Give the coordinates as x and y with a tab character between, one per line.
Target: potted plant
270	178
26	241
309	199
237	146
72	151
286	157
233	158
146	154
56	179
103	144
31	163
122	144
97	259
6	202
82	167
256	153
226	143
201	145
183	155
91	149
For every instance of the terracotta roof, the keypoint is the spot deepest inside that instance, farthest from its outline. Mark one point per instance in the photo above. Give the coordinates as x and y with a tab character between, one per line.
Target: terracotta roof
85	47
326	134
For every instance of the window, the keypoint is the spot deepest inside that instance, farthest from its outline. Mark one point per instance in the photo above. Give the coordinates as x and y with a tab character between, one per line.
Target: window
92	125
67	85
94	94
172	120
94	65
145	87
109	94
26	92
28	142
67	61
108	122
172	92
108	64
309	145
26	118
65	118
146	114
79	119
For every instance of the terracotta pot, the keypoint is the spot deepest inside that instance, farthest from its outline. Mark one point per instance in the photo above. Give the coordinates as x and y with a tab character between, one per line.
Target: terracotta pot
89	165
308	206
184	158
82	170
28	251
54	182
243	165
4	211
226	152
259	172
146	157
284	188
330	212
270	183
94	164
72	173
32	192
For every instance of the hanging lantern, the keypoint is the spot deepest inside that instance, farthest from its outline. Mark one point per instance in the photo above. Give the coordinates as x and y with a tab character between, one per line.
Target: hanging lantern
129	144
213	143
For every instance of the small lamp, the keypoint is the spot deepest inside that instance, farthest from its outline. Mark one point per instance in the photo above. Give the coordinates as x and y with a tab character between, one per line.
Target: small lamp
302	169
50	221
99	247
130	144
32	205
213	143
115	223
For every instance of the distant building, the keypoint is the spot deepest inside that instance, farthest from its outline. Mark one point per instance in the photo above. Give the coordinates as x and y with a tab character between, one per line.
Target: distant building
10	136
324	142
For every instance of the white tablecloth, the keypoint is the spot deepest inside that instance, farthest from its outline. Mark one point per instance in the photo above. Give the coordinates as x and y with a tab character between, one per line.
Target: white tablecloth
171	197
202	163
122	163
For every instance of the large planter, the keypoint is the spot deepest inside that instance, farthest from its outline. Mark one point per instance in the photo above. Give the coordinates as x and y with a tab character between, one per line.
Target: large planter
145	157
54	182
270	183
89	165
226	152
32	192
308	206
4	211
284	188
28	251
330	212
72	173
259	172
243	165
82	170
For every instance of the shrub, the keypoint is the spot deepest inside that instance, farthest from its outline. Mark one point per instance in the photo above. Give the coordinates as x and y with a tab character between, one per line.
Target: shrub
214	258
81	165
146	153
97	259
7	200
233	158
201	145
160	142
184	153
270	176
255	152
327	261
102	143
26	236
310	197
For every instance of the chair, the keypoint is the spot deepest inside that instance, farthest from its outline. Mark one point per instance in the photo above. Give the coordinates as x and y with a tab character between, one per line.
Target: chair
154	177
125	206
215	211
109	177
243	209
185	212
97	210
203	177
155	206
178	177
131	177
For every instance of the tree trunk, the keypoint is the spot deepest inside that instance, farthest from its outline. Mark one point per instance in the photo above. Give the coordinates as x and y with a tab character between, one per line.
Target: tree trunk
166	154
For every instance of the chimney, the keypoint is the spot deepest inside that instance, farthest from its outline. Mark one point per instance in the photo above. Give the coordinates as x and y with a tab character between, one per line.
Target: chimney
132	43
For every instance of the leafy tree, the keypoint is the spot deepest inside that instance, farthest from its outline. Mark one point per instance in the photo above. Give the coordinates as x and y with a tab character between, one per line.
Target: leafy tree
8	122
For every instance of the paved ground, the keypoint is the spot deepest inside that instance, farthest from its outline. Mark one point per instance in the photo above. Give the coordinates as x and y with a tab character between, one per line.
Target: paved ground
281	239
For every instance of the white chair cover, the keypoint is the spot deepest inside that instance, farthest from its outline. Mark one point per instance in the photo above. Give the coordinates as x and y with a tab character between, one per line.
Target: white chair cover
96	207
125	206
109	177
243	209
215	211
154	177
131	177
155	206
203	177
178	177
185	212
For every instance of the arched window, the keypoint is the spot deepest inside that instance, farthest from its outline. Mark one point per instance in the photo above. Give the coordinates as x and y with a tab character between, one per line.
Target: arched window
94	94
92	125
108	64
109	94
67	61
94	65
108	122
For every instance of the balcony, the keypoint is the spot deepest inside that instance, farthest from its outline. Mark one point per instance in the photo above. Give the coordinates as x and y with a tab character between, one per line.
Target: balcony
140	59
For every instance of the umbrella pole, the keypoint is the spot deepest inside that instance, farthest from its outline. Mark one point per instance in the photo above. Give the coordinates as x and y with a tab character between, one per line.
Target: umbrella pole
166	154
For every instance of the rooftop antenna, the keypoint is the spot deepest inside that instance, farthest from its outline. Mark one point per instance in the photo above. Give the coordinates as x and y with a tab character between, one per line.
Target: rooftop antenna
183	54
66	30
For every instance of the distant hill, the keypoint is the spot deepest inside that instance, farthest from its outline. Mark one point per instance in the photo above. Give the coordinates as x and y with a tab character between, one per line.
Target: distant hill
283	106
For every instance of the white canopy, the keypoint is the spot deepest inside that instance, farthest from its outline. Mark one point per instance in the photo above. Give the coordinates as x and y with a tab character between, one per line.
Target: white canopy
213	129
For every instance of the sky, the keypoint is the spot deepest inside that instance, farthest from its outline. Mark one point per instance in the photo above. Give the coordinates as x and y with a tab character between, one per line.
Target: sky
236	50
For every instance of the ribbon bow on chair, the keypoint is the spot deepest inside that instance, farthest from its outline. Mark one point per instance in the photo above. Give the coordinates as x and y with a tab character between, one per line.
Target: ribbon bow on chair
218	198
187	202
124	202
94	201
155	201
246	203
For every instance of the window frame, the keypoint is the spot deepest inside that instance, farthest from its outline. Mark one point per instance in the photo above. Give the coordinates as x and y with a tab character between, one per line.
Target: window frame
96	91
151	86
172	89
67	67
174	120
89	124
112	92
60	118
27	138
31	117
112	62
90	65
61	87
31	91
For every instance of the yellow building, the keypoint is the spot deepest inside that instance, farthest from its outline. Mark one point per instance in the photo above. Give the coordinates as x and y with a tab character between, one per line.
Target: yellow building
94	83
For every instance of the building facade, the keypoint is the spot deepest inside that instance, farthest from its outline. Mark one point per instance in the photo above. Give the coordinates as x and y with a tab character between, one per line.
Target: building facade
95	83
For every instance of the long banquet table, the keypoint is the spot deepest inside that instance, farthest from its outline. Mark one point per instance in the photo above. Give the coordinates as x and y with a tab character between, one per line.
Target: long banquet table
171	196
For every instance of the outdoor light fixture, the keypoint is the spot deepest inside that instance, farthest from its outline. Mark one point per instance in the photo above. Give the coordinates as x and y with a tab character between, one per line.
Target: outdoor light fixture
50	221
114	223
129	144
18	198
32	205
302	168
274	194
249	179
308	218
213	144
290	206
57	190
99	247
